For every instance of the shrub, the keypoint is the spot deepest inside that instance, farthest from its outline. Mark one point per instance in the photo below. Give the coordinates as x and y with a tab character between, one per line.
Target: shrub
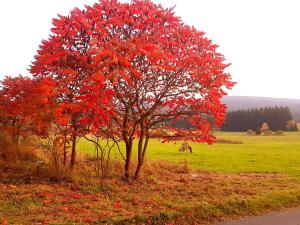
185	147
8	151
250	132
291	125
226	141
11	152
258	131
279	133
158	133
268	133
52	145
264	127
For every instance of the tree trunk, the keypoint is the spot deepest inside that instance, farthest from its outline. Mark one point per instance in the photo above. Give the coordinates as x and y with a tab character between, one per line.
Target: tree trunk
17	146
128	139
65	146
140	162
142	147
73	154
140	151
128	159
97	155
138	169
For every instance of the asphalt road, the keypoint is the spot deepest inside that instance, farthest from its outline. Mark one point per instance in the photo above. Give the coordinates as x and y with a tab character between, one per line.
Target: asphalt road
291	217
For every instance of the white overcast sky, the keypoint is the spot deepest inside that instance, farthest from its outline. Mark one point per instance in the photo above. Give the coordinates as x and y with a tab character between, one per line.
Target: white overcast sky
261	38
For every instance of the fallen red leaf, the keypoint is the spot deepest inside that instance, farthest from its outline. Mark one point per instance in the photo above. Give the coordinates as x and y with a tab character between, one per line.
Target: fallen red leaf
118	205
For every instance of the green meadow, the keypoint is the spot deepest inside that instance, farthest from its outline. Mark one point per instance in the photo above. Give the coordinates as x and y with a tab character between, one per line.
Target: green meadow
238	176
270	154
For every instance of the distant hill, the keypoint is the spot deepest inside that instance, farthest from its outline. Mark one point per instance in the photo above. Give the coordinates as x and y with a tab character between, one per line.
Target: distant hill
247	102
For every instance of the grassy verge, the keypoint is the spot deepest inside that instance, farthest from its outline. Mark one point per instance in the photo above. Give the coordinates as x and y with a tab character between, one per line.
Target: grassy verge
164	195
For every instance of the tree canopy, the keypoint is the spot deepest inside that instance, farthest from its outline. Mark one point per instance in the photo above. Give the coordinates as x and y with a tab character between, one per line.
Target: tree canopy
125	70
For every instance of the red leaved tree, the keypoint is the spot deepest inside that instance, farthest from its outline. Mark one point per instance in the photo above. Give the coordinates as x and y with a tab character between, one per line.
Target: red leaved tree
25	108
66	59
14	113
153	67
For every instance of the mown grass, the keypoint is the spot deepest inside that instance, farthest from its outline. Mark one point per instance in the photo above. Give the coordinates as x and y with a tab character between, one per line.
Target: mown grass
271	154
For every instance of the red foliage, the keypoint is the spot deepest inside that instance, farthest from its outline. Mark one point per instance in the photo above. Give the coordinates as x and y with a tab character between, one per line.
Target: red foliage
24	106
118	204
137	65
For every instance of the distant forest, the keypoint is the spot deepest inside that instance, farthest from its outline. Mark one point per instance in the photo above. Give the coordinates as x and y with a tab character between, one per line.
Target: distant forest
248	102
277	118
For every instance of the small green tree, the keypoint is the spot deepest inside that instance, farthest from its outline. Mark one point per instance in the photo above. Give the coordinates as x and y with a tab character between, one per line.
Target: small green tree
291	125
185	147
264	127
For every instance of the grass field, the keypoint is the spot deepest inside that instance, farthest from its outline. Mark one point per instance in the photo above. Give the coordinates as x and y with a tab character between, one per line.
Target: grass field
272	154
259	175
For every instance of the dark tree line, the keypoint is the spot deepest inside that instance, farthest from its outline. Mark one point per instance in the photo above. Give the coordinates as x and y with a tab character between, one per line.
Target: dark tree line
182	123
278	118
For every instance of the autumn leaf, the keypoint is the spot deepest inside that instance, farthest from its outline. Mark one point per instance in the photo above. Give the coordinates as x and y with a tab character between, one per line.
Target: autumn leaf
118	204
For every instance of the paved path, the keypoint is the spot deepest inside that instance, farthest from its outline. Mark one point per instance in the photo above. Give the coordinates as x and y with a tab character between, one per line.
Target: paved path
291	217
